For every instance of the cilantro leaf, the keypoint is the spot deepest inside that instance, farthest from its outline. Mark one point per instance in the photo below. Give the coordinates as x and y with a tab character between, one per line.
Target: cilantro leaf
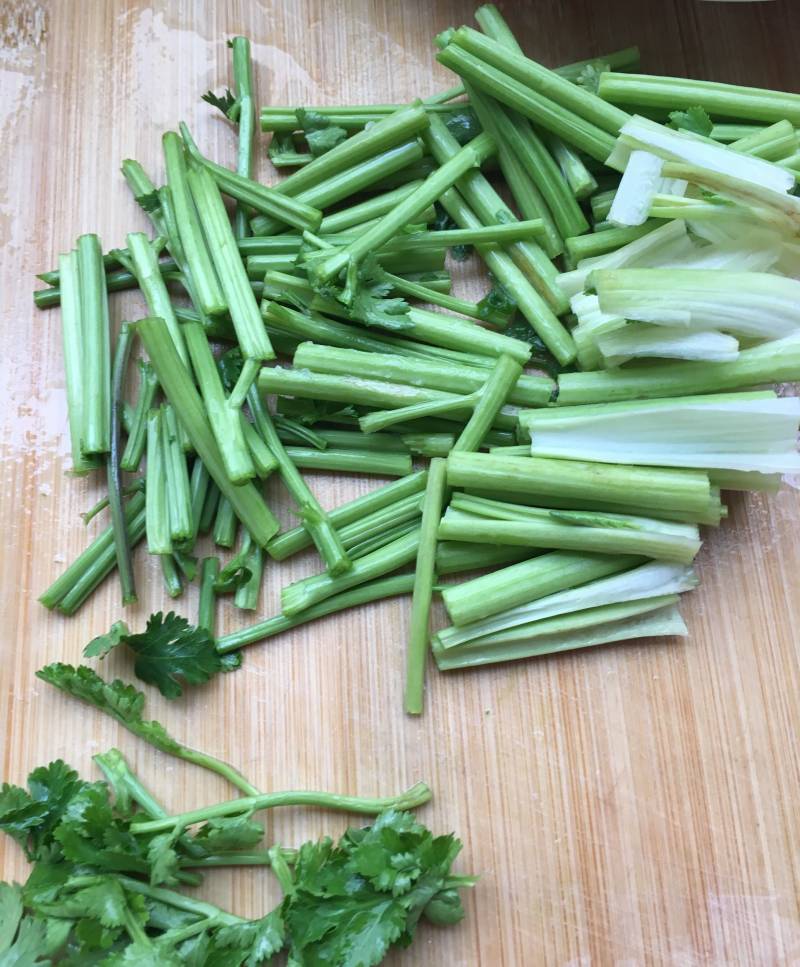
497	302
170	649
443	223
693	119
100	646
10	914
463	125
229	833
257	940
321	133
229	366
365	298
226	102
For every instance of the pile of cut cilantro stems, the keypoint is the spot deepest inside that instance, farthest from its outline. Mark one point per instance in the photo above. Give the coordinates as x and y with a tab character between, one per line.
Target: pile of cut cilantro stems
582	419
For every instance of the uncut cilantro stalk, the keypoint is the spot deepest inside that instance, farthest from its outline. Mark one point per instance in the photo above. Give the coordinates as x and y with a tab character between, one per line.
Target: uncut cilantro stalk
206	609
137	435
178	485
415	796
724	100
314	518
352	117
266	201
206	286
126	704
179	389
292	541
250	332
114	472
225	421
74	585
472	155
96	347
243	83
424	577
433	374
74	358
144	265
363	594
490	401
310	591
159	540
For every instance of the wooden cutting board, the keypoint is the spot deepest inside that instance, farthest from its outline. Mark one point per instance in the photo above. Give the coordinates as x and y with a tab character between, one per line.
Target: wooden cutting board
630	805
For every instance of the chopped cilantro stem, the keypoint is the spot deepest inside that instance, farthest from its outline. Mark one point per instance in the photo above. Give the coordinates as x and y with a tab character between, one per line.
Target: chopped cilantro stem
180	391
243	83
571	98
246	595
733	132
93	564
424	577
116	281
205	285
425	294
206	609
95	347
723	100
225	421
649	489
225	524
452	406
295	540
209	511
609	240
350	181
296	597
238	295
345	439
148	274
430	373
179	492
113	470
428	444
144	191
581	181
283	120
774	361
263	459
137	435
199	486
417	795
159	539
365	211
252	194
363	594
454	557
171	574
402	511
351	461
577	131
314	517
617	60
490	400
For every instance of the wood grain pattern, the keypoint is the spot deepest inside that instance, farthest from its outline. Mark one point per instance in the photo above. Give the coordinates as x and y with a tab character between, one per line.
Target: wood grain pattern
635	804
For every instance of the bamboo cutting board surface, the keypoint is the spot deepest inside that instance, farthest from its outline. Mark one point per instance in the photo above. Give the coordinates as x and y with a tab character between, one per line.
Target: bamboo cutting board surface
635	804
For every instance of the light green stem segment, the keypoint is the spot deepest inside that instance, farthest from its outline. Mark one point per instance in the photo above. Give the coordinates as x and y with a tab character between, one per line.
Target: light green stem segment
225	421
179	497
246	120
206	612
205	284
151	282
180	391
490	401
96	347
424	577
159	540
527	581
284	545
447	405
310	591
415	796
472	155
363	594
351	461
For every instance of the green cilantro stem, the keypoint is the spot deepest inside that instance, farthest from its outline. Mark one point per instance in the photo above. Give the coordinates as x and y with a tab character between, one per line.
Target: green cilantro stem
180	391
209	511
148	274
601	204
424	577
571	98
238	295
204	281
654	489
351	461
225	524
599	242
246	121
374	525
96	347
775	361
724	100
224	420
199	486
179	491
367	173
345	440
159	539
445	405
472	155
314	517
74	358
295	540
490	401
246	595
733	132
617	60
283	120
113	470
363	594
137	435
310	591
365	211
583	134
426	294
263	459
454	557
429	444
144	191
432	374
206	609
92	565
116	281
581	181
417	795
173	584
